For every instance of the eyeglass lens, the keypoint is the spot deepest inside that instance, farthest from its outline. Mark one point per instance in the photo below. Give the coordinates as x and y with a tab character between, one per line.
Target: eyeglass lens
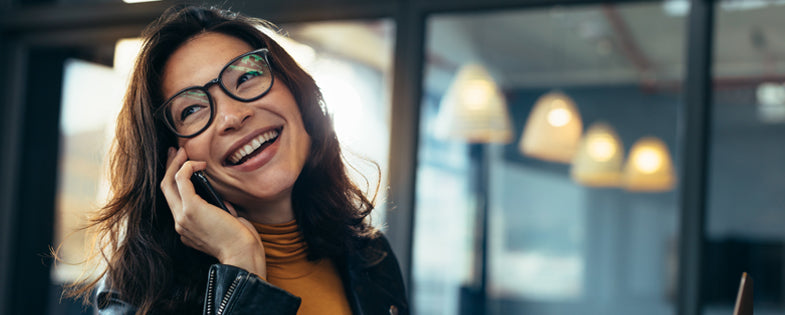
245	79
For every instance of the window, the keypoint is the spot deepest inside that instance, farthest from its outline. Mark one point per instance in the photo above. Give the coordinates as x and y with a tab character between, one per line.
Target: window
744	216
561	237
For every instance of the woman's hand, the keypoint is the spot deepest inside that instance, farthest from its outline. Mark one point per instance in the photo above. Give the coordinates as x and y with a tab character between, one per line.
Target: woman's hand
231	239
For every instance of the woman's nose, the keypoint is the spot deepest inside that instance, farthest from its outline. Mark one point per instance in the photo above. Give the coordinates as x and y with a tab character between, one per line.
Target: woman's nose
230	114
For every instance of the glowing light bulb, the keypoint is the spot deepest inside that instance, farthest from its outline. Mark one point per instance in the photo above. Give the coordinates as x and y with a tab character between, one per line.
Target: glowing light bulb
648	160
602	147
559	117
476	94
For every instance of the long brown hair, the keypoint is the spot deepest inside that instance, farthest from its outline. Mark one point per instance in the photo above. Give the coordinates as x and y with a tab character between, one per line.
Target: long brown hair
140	246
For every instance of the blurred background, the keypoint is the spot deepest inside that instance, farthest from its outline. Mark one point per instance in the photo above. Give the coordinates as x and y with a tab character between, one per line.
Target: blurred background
538	157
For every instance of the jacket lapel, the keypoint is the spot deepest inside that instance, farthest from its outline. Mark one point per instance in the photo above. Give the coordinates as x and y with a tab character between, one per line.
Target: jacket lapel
366	273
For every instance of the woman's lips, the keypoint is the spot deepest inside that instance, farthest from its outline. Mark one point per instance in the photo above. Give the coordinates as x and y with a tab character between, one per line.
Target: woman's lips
239	146
253	147
260	156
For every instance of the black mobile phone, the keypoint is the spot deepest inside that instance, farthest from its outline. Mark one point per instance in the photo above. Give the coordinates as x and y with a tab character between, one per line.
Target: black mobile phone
206	191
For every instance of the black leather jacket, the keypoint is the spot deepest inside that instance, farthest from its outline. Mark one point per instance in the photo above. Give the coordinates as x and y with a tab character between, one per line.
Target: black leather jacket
371	276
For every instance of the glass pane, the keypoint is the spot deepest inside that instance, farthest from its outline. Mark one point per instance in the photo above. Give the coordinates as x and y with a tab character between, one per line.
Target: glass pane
558	125
87	124
746	194
83	147
351	62
85	128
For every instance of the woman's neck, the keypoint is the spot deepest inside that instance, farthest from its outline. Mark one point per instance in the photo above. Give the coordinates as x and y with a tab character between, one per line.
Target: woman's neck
266	212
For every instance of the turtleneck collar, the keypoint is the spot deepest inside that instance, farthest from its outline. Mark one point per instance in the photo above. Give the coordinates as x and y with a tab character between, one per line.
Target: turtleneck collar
318	283
285	250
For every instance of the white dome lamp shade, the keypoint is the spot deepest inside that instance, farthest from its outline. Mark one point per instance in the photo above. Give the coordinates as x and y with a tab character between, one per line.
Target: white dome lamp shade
598	161
553	129
473	109
649	167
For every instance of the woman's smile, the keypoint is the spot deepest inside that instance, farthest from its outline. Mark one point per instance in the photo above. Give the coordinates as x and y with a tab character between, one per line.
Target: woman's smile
254	150
253	147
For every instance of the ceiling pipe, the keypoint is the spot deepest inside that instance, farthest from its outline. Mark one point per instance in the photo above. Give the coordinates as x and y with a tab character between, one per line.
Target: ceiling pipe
629	47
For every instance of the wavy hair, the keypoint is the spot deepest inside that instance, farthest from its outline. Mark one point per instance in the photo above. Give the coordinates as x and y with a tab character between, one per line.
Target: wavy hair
140	247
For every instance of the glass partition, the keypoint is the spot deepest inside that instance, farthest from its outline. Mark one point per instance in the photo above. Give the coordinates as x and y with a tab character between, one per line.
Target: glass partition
351	62
546	178
746	186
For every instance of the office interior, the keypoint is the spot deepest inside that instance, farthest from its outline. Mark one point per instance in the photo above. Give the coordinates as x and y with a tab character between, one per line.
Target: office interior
538	157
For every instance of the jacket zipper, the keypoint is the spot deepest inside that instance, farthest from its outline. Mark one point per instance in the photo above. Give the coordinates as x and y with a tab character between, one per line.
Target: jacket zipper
228	295
210	298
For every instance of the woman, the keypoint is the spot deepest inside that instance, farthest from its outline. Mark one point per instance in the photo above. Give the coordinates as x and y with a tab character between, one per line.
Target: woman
211	92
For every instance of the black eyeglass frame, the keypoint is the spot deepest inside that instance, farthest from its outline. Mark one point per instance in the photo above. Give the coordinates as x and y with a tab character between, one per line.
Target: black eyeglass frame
161	111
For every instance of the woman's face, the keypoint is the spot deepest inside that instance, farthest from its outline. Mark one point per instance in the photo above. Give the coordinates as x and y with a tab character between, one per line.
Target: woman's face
243	176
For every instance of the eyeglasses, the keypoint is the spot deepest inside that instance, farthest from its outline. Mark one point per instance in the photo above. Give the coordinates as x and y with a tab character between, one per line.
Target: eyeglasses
246	78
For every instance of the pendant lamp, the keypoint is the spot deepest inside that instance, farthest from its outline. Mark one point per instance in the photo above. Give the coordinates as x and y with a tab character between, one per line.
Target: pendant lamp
649	167
473	109
553	129
598	161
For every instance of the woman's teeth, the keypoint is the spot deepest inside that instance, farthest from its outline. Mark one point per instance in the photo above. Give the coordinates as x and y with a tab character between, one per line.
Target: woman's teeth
252	146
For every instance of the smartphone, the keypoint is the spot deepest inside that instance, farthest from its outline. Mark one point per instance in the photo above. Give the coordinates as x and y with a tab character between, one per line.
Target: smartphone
206	191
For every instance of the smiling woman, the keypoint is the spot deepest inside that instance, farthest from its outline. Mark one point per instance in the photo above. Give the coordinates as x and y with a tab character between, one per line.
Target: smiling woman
211	92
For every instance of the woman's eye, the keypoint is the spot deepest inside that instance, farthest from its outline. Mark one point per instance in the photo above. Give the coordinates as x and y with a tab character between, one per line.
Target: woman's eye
188	111
247	76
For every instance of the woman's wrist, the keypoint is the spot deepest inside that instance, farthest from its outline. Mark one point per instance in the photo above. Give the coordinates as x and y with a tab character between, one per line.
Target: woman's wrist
253	262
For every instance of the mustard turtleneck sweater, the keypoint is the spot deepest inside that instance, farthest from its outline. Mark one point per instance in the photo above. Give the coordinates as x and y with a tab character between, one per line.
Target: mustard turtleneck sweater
317	283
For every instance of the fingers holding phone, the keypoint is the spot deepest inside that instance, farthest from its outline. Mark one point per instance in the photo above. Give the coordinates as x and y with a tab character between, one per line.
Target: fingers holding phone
204	227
